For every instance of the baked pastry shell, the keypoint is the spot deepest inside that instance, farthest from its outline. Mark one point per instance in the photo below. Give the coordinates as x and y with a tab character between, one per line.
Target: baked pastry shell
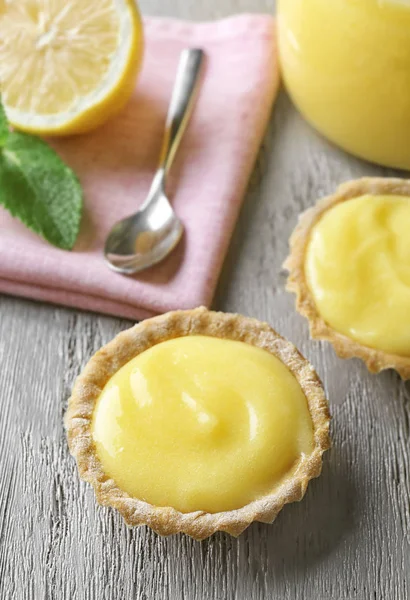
128	344
345	347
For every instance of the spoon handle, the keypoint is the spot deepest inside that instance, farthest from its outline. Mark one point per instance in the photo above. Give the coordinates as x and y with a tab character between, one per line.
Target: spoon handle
181	105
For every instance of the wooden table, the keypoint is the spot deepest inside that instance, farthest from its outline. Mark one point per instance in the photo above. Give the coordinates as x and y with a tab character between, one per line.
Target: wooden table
348	539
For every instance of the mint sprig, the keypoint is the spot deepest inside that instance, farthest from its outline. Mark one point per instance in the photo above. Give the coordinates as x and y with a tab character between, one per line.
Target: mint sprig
38	188
4	126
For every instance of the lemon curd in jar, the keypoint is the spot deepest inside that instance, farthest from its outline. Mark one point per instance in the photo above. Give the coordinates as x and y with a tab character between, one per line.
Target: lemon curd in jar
346	65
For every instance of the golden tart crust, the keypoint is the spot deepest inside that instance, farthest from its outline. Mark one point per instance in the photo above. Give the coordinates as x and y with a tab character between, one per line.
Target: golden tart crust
128	344
345	347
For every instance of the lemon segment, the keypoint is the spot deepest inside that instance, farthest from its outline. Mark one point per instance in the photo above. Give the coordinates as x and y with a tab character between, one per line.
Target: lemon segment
67	67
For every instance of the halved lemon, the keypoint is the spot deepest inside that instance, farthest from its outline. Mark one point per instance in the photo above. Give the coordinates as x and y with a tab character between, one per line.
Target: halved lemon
66	66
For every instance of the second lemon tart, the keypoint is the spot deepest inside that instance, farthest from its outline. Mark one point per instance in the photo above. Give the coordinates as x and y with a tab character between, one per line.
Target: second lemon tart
197	422
350	268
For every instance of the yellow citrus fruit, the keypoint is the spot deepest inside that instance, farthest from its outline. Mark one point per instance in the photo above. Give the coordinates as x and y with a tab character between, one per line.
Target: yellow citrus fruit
66	66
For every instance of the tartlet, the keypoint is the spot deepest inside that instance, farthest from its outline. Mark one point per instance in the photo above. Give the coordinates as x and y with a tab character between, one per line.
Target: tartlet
371	214
140	343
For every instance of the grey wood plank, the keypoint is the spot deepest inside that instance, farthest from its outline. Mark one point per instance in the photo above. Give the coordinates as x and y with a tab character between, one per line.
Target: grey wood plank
348	539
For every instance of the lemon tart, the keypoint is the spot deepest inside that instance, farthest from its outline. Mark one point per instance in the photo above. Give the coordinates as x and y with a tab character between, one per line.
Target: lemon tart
349	266
197	422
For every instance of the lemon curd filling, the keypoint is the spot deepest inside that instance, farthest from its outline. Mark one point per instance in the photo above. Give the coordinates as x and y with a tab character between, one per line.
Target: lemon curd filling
358	270
201	423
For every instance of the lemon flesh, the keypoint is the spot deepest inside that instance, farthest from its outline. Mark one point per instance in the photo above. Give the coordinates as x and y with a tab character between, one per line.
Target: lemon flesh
66	67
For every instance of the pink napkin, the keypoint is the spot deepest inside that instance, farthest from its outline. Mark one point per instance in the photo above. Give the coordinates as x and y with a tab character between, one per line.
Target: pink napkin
116	163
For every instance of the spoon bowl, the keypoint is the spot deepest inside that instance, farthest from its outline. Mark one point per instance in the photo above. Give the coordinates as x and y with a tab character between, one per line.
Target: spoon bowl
144	239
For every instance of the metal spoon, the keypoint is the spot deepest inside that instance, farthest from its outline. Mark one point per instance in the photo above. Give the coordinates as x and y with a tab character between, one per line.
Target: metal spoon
148	236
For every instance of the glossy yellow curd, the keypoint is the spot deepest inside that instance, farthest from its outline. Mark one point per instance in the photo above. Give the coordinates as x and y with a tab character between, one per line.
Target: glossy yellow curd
358	270
201	423
346	64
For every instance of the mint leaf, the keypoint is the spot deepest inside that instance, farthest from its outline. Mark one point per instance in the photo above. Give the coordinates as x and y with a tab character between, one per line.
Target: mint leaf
38	188
4	126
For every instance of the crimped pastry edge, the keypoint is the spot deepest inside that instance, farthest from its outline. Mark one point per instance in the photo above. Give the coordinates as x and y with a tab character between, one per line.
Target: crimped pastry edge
130	343
345	347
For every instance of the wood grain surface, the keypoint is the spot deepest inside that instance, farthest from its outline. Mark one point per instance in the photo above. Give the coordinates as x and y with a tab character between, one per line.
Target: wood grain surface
348	539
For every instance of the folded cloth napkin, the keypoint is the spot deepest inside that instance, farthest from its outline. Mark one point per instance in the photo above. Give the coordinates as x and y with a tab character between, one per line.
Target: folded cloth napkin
116	163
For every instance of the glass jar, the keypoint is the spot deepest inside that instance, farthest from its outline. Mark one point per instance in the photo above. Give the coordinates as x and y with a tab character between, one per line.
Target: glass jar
346	65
